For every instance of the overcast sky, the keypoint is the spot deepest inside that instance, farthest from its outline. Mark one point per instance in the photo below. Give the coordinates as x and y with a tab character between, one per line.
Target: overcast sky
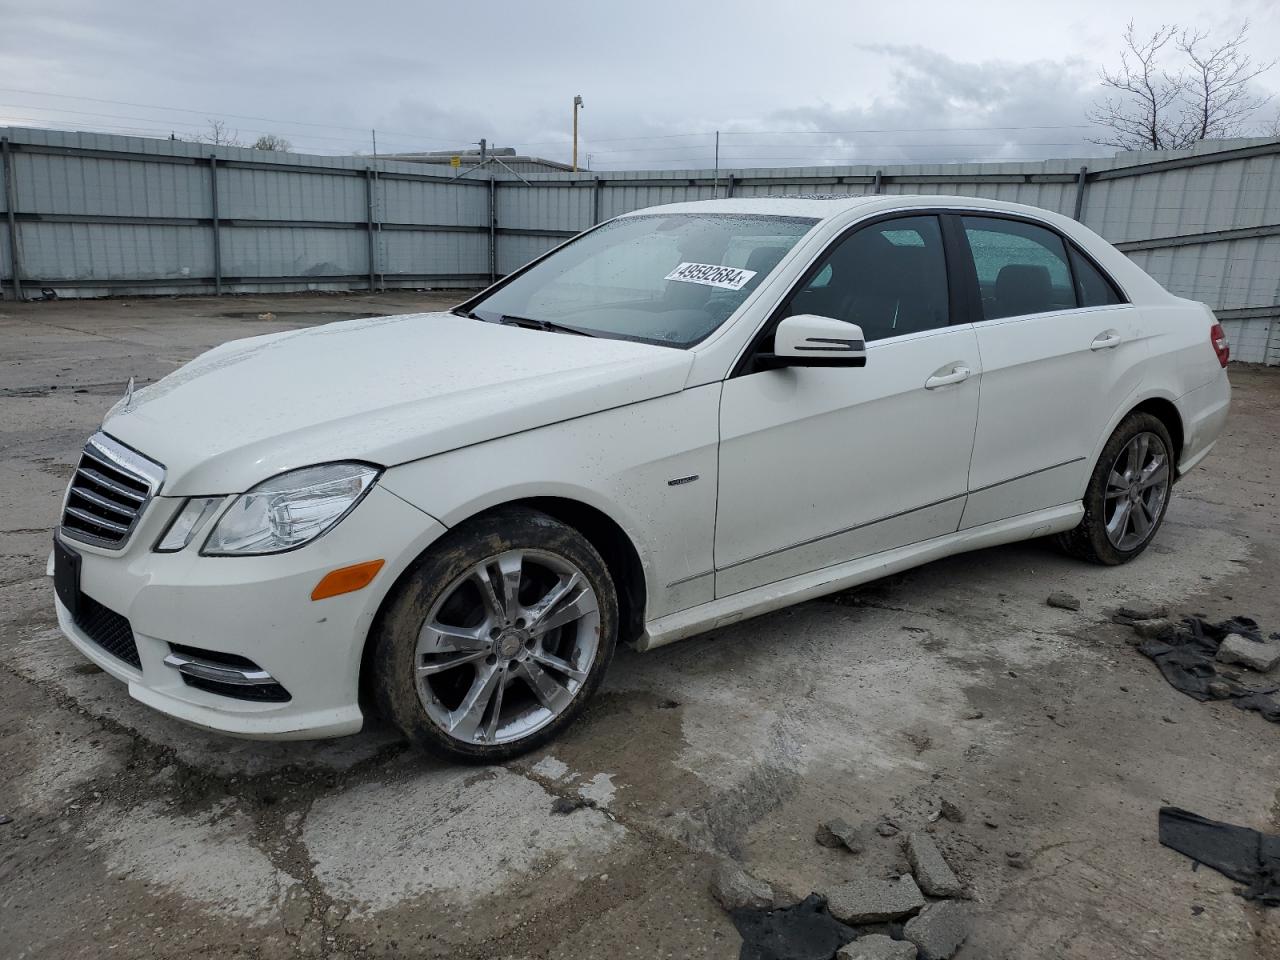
801	81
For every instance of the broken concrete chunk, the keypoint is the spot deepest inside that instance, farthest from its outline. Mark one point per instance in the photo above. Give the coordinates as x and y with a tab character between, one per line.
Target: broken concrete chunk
1144	611
839	833
951	811
734	889
825	836
1063	601
1255	655
877	947
939	929
872	900
1219	690
295	911
887	828
1153	628
932	873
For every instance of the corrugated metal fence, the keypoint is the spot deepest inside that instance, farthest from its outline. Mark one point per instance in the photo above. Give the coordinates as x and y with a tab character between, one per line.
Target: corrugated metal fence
96	214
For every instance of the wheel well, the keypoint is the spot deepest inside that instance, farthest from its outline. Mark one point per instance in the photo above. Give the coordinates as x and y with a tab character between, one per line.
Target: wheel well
1166	413
613	545
602	532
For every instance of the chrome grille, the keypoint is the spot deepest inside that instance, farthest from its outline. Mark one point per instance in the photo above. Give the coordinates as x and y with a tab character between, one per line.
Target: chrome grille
111	487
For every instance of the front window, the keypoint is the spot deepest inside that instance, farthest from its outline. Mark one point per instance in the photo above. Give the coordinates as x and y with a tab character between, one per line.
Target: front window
669	279
889	278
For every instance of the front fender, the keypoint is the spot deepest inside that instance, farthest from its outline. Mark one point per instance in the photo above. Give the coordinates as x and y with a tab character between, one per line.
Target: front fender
620	462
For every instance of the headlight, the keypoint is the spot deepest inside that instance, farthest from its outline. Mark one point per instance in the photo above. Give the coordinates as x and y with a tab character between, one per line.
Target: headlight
187	522
290	510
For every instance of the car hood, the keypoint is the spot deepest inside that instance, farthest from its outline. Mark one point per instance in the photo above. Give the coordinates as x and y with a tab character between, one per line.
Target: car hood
386	390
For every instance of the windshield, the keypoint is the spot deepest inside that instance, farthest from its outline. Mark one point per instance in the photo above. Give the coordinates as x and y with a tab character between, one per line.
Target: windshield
669	279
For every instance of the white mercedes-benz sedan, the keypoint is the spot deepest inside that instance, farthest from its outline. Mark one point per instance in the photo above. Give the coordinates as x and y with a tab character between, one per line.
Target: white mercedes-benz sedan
683	417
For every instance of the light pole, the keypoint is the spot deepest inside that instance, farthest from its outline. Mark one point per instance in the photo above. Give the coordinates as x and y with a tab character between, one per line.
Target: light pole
577	105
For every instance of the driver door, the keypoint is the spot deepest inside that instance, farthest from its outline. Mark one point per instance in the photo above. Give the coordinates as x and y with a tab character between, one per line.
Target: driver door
823	465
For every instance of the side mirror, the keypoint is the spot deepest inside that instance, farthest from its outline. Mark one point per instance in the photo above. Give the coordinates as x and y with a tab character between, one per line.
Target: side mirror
811	341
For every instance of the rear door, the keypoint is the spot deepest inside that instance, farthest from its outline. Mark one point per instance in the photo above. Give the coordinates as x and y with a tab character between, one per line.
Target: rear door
1060	353
823	465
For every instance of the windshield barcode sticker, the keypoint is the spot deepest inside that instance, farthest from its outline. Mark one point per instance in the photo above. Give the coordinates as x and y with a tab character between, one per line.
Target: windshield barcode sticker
712	275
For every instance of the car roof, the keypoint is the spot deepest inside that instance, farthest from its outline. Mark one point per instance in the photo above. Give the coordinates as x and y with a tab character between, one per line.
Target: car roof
827	206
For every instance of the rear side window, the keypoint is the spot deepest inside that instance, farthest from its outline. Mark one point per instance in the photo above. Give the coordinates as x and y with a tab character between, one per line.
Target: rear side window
1094	288
890	278
1022	268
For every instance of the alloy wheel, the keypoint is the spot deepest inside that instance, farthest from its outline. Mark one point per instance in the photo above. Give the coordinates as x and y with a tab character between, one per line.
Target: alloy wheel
507	646
1137	488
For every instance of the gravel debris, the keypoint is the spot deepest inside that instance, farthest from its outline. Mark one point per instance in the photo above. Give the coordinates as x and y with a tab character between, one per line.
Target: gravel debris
1063	601
877	946
872	900
1261	657
1143	611
940	929
932	873
563	806
735	889
1153	628
839	833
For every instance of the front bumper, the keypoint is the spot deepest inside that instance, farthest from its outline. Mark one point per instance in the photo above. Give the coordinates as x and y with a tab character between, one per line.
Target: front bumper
259	608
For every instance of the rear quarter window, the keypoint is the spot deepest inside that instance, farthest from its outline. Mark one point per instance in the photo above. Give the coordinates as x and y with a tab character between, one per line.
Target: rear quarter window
1094	288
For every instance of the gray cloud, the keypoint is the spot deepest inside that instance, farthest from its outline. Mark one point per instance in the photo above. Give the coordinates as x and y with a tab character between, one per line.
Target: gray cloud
658	77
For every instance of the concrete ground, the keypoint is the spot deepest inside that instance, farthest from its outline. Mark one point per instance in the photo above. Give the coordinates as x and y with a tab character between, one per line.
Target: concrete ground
135	836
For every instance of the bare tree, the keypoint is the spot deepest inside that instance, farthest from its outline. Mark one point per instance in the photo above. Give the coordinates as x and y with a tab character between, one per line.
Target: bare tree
1219	98
272	141
1137	112
1208	95
220	135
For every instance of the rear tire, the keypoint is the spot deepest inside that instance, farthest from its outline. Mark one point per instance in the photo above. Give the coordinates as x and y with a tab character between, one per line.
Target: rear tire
1128	494
495	641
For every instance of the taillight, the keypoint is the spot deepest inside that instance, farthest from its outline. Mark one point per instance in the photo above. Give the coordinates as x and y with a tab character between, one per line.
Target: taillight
1218	337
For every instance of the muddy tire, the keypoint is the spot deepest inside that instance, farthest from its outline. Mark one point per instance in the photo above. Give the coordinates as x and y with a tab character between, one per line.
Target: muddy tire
497	637
1128	494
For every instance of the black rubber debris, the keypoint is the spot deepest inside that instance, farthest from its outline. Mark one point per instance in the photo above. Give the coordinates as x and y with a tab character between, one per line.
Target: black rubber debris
563	806
1244	855
805	931
1185	655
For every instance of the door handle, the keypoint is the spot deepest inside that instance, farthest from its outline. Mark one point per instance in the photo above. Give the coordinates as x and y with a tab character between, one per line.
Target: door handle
958	374
1105	341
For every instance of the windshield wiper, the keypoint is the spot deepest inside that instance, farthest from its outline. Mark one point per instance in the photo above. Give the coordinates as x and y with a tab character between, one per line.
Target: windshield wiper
531	324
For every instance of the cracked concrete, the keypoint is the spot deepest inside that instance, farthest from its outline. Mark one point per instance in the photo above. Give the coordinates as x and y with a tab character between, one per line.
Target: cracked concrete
137	836
463	837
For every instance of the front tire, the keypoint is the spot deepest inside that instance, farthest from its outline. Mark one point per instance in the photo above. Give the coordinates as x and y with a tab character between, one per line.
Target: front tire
1128	493
495	641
